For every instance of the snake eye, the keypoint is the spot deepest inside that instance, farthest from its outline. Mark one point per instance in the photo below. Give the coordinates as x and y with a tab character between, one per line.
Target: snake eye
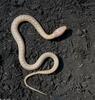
59	31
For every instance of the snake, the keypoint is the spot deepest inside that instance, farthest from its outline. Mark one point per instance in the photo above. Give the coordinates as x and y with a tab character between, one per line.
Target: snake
21	47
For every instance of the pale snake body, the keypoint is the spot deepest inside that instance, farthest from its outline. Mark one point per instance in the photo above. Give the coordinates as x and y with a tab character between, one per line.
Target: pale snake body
14	30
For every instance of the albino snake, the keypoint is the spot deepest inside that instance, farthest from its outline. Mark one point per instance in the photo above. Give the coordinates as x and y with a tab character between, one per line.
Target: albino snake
14	30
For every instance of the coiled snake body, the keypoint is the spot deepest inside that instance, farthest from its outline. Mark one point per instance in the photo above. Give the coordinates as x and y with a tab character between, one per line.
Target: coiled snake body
21	47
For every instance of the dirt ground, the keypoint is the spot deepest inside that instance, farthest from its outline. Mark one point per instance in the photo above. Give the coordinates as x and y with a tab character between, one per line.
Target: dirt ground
75	77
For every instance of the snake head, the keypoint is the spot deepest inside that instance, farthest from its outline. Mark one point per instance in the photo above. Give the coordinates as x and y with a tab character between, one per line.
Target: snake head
59	31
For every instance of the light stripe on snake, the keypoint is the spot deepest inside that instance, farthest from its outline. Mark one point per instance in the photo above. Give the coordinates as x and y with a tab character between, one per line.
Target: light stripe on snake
21	47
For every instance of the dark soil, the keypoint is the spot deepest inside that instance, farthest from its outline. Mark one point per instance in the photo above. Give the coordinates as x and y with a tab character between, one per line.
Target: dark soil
75	78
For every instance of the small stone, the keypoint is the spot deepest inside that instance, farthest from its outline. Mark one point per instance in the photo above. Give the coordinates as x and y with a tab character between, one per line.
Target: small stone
84	84
84	30
81	65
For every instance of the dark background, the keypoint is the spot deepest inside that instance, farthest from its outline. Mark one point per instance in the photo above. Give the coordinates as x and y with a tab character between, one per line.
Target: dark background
75	78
